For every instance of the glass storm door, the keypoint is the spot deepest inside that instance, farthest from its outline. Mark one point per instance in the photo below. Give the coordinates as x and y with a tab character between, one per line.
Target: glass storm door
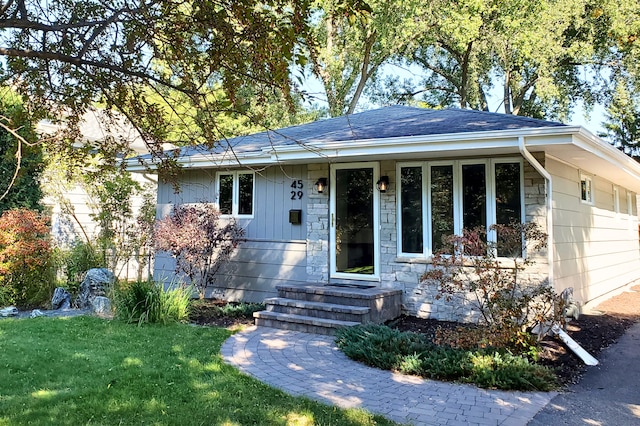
354	221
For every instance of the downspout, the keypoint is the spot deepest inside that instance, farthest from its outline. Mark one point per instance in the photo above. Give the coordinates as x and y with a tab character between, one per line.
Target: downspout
549	190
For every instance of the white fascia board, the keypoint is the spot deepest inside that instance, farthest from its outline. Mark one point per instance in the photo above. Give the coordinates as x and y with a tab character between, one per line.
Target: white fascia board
586	151
204	162
607	152
409	144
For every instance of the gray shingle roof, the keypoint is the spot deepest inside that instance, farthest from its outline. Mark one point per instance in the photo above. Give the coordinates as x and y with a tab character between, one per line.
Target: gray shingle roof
388	122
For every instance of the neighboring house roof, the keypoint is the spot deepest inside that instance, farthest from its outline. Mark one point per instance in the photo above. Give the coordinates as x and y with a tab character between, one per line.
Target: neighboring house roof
96	125
402	132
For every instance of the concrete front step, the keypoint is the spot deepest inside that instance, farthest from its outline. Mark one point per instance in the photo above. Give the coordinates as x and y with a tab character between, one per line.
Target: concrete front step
302	323
321	309
339	295
334	311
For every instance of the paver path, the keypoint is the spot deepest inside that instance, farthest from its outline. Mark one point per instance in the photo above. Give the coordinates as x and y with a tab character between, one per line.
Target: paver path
311	365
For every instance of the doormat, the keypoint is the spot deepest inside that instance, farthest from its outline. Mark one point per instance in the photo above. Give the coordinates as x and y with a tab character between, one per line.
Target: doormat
360	286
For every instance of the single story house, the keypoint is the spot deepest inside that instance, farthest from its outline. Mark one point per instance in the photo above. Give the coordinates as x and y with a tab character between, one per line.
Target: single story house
364	200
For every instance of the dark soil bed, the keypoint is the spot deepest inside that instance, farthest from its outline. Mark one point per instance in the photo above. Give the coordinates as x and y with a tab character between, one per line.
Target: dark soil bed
593	332
207	312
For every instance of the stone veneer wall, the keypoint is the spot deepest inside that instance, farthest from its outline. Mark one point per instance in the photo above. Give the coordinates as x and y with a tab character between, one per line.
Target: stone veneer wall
317	226
420	300
404	273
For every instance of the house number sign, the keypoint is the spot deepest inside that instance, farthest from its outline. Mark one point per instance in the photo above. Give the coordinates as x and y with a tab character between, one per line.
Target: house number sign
297	192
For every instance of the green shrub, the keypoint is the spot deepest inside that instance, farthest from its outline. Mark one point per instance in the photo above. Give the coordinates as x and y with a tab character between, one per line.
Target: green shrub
147	302
380	346
77	260
242	309
6	295
507	371
411	353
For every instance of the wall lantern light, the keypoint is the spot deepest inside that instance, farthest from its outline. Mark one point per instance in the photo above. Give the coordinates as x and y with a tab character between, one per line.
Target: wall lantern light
321	185
383	183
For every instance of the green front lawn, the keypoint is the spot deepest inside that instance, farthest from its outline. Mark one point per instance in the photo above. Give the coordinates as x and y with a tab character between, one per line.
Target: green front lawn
85	370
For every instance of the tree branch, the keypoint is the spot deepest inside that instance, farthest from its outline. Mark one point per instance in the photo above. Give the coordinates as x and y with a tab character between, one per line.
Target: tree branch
80	62
18	157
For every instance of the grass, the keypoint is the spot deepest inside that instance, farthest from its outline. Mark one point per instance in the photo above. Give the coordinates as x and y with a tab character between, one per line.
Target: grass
85	370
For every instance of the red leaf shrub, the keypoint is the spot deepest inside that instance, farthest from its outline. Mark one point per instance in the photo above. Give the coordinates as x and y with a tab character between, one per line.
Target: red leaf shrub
26	270
199	241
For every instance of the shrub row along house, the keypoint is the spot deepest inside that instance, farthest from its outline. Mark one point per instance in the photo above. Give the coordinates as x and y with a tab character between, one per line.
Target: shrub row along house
364	200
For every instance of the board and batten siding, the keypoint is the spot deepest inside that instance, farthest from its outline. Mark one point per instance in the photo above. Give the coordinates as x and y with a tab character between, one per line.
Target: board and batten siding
596	248
274	251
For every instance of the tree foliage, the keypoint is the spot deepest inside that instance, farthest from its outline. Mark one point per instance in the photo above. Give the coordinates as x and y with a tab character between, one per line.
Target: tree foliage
64	56
20	156
540	58
350	42
623	124
26	272
199	240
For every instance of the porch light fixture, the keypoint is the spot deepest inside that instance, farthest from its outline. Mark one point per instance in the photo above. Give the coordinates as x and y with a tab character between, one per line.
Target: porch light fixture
383	183
321	185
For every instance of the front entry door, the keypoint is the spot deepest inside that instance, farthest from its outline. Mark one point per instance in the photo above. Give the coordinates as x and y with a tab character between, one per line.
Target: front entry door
354	222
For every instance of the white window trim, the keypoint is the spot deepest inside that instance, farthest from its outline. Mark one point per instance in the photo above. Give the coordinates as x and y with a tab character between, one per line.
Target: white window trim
616	201
425	206
630	216
589	193
490	167
235	194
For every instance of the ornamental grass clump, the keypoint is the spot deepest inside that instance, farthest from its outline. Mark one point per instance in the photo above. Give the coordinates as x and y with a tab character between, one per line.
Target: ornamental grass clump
143	302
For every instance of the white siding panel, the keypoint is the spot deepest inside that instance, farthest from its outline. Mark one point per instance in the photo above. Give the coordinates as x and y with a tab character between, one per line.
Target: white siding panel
595	252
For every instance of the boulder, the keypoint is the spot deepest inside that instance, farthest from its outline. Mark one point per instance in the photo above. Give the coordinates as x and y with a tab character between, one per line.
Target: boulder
10	311
97	282
61	299
101	306
36	313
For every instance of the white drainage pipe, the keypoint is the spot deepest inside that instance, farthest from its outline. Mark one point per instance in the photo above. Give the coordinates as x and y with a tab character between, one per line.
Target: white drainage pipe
574	346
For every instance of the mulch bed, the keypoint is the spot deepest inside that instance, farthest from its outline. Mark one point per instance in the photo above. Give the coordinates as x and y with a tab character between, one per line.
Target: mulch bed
593	332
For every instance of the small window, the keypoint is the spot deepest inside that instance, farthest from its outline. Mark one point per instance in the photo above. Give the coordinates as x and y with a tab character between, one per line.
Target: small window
225	194
586	189
245	191
235	193
411	210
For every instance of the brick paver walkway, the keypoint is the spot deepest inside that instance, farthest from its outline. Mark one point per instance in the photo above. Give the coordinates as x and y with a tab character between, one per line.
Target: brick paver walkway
311	365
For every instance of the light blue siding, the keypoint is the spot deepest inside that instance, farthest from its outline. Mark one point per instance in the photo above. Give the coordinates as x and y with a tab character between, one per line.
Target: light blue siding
275	250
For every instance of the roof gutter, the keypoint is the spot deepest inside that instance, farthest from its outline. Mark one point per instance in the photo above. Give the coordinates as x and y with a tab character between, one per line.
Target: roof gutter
549	201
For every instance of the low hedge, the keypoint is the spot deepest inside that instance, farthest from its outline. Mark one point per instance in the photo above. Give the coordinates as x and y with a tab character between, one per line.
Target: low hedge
411	353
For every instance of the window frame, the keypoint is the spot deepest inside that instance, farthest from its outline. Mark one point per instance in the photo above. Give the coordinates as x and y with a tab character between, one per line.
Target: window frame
235	193
630	211
587	196
458	225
